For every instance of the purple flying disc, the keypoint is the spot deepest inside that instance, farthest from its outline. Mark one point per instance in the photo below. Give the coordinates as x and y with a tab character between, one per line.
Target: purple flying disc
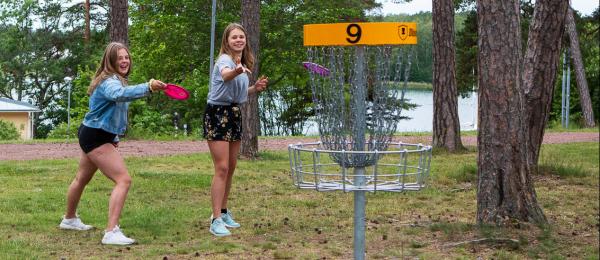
316	68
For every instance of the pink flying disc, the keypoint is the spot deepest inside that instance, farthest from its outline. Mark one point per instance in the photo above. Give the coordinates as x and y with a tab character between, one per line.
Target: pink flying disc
176	92
316	68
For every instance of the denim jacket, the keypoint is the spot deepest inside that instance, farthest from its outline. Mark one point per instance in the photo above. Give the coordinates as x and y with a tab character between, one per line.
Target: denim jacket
109	103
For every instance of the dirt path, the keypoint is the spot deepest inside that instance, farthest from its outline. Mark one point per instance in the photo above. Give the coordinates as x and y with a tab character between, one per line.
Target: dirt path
154	148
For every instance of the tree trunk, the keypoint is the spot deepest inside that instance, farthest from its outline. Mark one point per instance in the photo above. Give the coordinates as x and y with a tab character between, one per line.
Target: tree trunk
250	120
119	21
582	86
446	124
86	34
505	189
540	66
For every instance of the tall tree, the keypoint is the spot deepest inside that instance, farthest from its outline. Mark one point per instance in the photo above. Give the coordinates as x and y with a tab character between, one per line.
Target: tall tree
540	66
119	21
446	125
250	120
86	34
505	188
582	85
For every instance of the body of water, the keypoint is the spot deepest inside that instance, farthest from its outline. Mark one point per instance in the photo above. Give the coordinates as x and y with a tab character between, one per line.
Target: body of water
421	117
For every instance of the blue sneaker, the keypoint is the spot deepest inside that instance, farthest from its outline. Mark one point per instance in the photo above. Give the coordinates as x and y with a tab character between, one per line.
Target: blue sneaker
228	219
217	228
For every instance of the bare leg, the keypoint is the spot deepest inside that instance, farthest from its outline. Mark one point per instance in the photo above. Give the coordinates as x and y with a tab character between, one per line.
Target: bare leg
110	162
234	149
86	171
219	150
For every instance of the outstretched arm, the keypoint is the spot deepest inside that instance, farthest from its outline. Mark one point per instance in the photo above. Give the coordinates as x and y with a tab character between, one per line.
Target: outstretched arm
228	74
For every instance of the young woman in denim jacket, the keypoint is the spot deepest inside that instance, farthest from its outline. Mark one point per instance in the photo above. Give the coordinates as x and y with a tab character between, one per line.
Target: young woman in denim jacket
223	119
98	137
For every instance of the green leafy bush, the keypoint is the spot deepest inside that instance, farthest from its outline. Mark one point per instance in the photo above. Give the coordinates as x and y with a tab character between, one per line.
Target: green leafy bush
60	131
8	131
150	124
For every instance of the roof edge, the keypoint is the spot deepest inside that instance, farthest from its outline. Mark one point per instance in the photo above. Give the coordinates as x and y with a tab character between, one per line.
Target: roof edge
31	108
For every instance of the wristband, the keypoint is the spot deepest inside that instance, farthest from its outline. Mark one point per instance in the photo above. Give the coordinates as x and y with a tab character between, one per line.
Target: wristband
150	85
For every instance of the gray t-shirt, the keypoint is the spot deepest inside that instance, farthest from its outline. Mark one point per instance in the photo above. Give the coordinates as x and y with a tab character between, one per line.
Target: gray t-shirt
232	91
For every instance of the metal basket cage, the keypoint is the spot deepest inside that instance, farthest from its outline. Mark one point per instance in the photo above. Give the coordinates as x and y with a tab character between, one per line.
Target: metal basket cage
402	167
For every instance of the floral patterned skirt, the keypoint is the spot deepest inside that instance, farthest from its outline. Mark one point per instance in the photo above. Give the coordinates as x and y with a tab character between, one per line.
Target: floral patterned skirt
222	123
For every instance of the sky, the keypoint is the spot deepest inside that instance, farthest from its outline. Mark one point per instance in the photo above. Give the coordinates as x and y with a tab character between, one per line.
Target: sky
584	7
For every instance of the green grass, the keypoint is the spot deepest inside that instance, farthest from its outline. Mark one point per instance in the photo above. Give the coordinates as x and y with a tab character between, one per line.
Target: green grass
555	126
169	204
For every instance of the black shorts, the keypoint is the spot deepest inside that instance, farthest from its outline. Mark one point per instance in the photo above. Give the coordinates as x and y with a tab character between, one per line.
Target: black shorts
92	138
223	123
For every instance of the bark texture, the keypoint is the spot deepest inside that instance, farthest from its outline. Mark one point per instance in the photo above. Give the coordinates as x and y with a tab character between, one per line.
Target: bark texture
446	124
540	66
86	34
582	85
250	120
505	190
119	21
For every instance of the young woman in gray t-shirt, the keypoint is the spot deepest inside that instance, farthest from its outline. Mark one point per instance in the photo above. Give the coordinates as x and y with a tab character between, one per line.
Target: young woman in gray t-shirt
223	119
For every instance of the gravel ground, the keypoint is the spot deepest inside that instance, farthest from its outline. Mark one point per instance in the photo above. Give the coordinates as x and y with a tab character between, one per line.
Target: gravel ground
156	148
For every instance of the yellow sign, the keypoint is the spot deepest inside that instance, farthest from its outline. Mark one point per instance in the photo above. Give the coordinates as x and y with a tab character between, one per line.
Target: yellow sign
360	34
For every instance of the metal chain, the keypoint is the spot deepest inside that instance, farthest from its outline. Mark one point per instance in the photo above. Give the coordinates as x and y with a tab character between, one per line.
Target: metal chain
357	106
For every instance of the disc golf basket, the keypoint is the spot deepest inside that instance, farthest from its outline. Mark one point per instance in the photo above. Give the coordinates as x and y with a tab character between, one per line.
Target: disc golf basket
358	95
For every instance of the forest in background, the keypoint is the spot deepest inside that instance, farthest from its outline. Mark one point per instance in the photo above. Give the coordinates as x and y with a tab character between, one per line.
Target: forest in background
42	42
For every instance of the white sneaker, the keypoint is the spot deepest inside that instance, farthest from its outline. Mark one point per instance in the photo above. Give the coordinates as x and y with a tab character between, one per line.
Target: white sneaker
73	224
116	237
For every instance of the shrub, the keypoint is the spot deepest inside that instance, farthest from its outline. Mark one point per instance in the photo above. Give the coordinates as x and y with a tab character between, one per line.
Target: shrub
8	131
60	132
150	124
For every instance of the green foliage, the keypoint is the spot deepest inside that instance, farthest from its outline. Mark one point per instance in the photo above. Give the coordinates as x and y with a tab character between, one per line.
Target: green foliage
62	131
170	41
41	45
590	40
8	131
422	53
79	102
150	123
466	54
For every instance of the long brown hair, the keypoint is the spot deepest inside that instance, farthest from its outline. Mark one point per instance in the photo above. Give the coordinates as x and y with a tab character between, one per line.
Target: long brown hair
108	66
247	55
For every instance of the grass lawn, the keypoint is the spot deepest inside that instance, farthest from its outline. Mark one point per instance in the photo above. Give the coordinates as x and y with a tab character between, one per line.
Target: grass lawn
168	208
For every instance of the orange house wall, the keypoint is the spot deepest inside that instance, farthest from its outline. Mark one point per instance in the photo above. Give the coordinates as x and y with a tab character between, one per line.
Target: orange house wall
20	120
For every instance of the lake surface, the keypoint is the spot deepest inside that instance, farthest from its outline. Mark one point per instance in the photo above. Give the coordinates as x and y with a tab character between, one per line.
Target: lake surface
422	116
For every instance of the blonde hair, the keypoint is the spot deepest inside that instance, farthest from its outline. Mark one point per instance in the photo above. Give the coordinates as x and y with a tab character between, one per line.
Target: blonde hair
247	55
108	66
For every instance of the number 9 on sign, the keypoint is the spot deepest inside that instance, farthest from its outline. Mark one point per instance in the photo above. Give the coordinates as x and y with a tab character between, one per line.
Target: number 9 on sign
353	30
